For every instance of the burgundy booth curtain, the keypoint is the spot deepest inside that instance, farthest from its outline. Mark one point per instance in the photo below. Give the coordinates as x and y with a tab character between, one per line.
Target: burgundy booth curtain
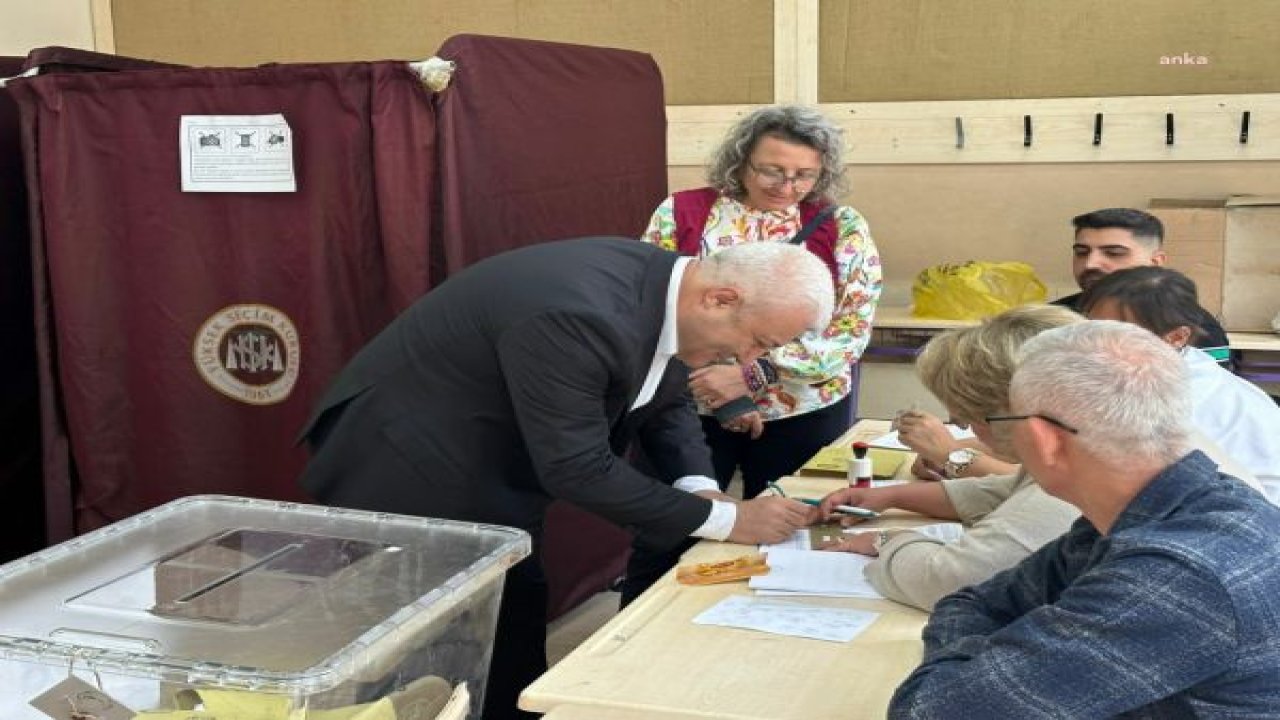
184	336
21	519
541	141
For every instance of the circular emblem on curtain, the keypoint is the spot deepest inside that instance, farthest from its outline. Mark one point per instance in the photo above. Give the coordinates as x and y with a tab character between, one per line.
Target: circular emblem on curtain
249	353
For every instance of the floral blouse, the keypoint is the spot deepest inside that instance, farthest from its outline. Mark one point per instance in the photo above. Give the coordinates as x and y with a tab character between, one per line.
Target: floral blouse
815	370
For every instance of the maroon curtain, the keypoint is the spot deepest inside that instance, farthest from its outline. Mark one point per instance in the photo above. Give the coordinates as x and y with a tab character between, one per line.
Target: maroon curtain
186	335
21	515
541	141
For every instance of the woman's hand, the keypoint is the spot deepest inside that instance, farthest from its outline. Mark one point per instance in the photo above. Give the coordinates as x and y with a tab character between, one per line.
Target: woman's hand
926	470
926	435
863	543
715	385
751	422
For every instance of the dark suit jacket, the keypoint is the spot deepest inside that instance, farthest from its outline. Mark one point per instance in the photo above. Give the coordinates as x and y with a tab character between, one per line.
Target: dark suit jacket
511	383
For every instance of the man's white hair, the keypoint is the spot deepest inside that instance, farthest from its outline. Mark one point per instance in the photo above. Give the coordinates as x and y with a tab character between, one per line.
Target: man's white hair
1122	387
776	276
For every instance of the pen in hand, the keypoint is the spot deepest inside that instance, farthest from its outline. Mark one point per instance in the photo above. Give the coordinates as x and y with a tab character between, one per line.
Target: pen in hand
846	509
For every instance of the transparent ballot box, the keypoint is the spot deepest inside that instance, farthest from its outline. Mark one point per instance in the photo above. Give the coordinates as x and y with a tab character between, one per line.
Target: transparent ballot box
221	608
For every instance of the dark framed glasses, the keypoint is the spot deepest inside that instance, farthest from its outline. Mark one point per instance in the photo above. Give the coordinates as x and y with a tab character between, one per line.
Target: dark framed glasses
1047	418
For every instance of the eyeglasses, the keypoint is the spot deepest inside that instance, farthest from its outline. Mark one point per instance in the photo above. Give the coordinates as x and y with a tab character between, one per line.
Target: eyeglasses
1047	418
773	178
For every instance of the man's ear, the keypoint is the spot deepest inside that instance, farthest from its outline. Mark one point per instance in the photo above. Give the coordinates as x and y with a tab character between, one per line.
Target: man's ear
1047	442
1158	258
1178	337
722	297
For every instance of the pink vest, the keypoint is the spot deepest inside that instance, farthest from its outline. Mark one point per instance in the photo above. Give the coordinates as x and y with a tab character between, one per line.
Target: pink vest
693	207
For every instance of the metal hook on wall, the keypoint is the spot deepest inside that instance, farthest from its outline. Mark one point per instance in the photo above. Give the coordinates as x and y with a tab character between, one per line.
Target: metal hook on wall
1244	128
1097	129
1168	128
1026	131
960	133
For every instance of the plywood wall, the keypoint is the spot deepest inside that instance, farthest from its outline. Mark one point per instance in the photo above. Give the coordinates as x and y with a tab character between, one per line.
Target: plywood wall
710	51
874	50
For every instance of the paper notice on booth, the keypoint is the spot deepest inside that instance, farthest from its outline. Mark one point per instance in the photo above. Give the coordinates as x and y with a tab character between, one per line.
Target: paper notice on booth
236	153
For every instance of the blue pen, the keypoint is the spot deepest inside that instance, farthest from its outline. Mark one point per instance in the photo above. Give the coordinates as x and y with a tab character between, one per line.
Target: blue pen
846	509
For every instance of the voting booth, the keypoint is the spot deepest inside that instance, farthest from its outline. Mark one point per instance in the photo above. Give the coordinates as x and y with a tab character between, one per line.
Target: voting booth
212	245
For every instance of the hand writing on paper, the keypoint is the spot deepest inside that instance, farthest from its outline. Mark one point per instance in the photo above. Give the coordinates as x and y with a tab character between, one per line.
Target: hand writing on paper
925	434
870	498
715	385
769	519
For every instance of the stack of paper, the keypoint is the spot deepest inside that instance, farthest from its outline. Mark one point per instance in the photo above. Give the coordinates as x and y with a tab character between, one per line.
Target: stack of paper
786	618
805	572
834	460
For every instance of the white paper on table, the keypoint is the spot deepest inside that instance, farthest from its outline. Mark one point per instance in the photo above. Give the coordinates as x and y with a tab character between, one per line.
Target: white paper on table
890	439
837	574
799	540
787	618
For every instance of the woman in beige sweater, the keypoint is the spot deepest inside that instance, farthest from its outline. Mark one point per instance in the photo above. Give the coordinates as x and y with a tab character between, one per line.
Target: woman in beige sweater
1005	517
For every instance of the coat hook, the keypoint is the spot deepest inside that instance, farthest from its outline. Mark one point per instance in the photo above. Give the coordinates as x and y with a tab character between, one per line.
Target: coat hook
960	132
1244	128
1026	131
1097	129
1168	128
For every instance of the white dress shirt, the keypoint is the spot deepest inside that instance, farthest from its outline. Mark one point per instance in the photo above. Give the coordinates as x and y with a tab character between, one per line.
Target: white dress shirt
723	514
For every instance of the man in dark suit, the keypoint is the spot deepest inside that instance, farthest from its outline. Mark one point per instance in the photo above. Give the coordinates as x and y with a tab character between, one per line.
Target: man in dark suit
526	377
1114	239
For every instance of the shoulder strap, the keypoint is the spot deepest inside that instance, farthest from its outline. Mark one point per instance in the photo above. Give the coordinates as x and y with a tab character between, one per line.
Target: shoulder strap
812	224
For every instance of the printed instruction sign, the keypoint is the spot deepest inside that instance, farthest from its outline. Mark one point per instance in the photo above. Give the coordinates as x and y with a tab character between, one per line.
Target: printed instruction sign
236	153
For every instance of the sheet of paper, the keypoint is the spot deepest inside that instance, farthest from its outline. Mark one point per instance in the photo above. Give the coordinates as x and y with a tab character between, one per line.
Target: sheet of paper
890	439
837	574
787	618
810	538
236	153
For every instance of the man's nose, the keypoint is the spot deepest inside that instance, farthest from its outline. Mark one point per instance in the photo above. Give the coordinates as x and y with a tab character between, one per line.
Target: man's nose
1095	261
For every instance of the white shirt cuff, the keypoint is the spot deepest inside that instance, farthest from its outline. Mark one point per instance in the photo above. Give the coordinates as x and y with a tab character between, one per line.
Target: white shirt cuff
723	514
719	522
695	483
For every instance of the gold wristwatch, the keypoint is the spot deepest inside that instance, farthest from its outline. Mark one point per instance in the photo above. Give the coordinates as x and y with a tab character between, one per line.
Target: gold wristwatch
958	461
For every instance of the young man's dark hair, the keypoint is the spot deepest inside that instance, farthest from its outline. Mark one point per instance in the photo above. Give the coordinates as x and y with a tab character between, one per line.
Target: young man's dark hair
1144	226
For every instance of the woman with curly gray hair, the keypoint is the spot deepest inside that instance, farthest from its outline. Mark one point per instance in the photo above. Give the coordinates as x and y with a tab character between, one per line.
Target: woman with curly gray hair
773	179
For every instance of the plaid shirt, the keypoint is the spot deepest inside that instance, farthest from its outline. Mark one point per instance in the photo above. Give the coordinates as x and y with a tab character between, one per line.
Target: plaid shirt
1174	614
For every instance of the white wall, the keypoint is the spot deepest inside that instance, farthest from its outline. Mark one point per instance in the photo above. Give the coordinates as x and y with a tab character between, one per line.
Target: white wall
28	24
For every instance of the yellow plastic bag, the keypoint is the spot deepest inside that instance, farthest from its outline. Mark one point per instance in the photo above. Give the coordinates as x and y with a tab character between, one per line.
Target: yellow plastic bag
974	290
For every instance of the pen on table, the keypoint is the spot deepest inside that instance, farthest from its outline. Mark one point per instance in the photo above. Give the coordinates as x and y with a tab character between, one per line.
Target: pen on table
777	489
846	509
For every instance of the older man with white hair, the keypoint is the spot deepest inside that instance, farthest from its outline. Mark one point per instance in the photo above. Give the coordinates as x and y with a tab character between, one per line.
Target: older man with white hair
1160	602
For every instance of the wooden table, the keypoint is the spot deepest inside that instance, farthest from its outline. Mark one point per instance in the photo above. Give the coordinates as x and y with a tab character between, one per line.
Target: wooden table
651	661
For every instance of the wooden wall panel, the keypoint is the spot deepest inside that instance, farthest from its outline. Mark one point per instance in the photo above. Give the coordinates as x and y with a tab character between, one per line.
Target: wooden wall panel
923	215
710	51
873	50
